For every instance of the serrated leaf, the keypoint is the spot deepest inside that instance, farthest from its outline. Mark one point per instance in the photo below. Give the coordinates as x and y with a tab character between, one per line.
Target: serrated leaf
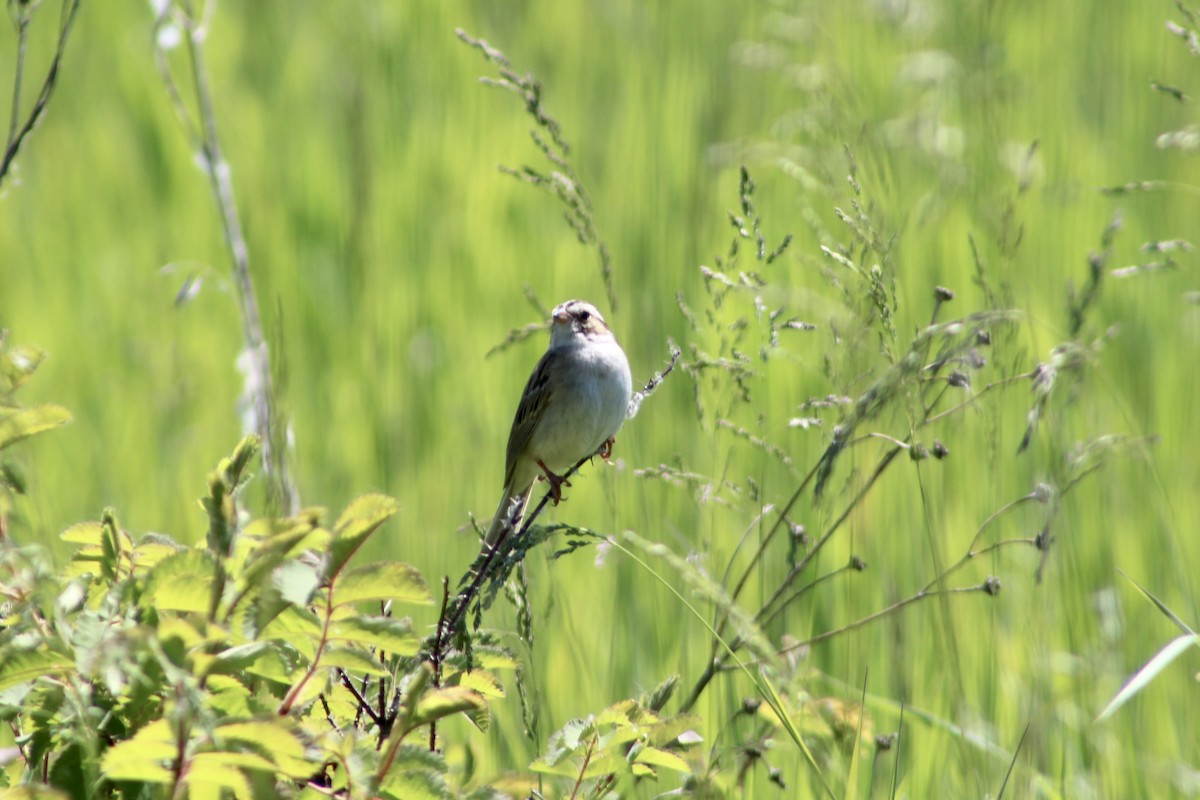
145	757
360	519
481	718
238	657
383	580
279	662
480	681
393	636
415	785
148	554
182	582
277	543
228	697
88	533
21	666
19	424
215	771
493	659
274	738
239	759
181	629
417	757
351	660
296	582
662	758
438	703
575	731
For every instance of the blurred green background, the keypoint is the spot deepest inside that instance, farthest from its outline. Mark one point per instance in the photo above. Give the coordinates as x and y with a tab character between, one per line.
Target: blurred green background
390	255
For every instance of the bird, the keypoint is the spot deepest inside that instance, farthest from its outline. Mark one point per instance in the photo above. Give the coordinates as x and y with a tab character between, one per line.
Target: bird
572	407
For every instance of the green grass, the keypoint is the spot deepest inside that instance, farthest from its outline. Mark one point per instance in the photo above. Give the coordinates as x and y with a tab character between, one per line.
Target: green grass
390	255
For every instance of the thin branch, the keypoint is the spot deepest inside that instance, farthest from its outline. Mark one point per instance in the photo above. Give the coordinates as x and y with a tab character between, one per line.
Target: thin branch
17	135
883	612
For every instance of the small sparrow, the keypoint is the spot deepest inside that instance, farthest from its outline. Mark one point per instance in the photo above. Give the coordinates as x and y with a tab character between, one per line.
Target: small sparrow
572	407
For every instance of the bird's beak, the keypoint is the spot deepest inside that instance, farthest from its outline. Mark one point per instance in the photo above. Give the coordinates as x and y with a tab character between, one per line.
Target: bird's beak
560	316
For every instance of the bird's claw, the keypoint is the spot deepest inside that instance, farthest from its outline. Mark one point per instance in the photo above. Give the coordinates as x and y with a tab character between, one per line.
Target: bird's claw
606	449
556	482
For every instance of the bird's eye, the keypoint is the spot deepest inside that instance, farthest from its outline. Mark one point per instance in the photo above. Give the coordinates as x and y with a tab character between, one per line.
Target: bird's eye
584	316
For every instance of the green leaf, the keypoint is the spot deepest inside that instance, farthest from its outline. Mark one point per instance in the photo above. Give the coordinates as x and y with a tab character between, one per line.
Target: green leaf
415	785
296	626
383	580
480	681
143	758
182	582
438	703
360	519
18	424
351	660
67	772
280	662
213	771
228	697
35	792
148	554
1149	672
296	582
270	550
662	758
274	738
239	656
393	636
237	758
83	533
22	666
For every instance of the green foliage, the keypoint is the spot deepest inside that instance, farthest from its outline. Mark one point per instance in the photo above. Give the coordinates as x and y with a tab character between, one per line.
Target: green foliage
213	669
18	422
910	383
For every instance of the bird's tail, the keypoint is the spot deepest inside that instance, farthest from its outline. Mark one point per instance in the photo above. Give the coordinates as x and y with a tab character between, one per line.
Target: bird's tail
508	513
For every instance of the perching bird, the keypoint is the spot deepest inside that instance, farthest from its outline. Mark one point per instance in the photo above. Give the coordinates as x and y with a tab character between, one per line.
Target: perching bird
572	407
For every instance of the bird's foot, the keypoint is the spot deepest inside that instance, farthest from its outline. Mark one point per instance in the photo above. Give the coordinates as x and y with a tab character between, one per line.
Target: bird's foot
556	482
606	449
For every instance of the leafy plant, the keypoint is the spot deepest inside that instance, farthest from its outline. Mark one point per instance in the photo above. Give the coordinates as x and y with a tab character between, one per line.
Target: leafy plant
222	667
18	363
